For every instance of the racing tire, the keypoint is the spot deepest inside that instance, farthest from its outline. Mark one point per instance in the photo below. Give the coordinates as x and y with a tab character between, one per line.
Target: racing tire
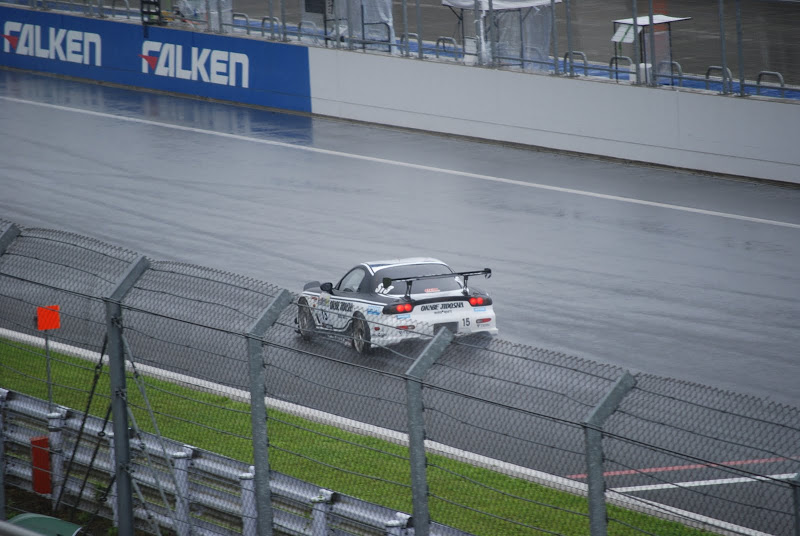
305	321
361	337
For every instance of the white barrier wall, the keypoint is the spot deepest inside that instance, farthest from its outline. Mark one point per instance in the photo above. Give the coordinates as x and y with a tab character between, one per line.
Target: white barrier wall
750	136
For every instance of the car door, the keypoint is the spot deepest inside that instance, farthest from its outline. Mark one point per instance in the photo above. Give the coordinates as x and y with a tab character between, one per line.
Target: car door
337	307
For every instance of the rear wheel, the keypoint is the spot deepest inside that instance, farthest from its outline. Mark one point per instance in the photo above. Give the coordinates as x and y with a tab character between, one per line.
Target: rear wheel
305	321
361	338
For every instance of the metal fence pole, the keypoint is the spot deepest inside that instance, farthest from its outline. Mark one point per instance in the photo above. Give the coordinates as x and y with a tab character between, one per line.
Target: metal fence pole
637	57
416	429
554	30
116	366
183	518
739	47
3	398
723	48
653	79
418	14
249	510
8	236
55	425
258	407
795	483
593	432
571	68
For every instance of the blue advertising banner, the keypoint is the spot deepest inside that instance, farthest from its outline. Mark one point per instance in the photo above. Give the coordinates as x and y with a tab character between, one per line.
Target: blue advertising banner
236	69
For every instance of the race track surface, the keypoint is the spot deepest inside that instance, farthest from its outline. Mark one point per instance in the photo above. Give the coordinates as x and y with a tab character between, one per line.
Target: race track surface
662	271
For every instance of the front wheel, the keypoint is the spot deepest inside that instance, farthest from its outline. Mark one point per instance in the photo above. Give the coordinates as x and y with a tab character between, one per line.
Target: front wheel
305	321
361	338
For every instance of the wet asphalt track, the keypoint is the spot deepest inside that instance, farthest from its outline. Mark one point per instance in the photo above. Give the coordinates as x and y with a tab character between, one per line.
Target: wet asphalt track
711	297
666	272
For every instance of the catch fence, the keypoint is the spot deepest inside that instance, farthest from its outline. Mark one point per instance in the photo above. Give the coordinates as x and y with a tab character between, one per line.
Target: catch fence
196	376
745	47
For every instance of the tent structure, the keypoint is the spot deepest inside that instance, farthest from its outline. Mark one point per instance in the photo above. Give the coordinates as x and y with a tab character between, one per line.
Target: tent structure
661	45
370	21
509	32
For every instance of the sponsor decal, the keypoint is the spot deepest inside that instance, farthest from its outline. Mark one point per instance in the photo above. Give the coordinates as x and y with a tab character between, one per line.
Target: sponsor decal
52	43
403	317
431	290
374	311
442	306
479	309
342	306
383	290
197	64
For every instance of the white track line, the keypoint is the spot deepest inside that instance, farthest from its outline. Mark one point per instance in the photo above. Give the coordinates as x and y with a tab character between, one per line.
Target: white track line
409	165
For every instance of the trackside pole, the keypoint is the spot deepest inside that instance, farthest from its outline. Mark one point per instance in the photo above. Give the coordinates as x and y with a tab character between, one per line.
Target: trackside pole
416	429
119	403
593	432
258	408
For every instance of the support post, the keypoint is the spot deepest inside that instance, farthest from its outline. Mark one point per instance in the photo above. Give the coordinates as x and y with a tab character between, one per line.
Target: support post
8	236
593	433
637	56
653	80
570	68
182	460
795	482
116	367
55	425
320	506
723	47
416	429
258	408
249	514
3	398
740	48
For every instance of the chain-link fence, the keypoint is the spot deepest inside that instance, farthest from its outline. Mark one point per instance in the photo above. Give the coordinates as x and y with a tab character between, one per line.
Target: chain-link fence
742	47
170	363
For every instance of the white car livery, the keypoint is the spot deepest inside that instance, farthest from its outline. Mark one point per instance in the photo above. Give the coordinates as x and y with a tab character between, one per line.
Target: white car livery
384	302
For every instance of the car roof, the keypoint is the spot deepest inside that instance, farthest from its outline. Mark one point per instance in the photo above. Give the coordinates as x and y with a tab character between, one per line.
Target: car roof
374	266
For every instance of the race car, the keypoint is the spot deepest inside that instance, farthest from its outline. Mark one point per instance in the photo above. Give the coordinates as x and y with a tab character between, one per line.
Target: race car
383	302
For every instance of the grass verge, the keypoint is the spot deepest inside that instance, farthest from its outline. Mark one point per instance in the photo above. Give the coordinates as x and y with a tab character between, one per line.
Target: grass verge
473	499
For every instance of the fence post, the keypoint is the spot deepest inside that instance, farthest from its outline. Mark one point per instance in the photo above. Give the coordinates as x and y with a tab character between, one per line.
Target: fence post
247	484
795	483
183	459
593	432
3	398
116	367
320	506
55	425
258	408
8	236
416	429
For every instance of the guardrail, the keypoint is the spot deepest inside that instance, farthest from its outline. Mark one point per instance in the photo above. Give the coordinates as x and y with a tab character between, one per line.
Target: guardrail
221	488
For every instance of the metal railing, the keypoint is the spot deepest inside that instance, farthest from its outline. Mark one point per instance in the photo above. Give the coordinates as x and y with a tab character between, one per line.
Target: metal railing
545	59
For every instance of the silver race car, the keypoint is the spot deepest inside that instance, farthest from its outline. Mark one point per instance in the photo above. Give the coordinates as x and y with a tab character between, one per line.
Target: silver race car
384	302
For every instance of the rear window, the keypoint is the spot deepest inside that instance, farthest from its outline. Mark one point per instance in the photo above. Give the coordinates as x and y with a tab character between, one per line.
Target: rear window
439	284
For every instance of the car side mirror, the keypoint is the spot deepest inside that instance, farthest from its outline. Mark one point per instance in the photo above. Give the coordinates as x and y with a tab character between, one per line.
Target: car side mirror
326	287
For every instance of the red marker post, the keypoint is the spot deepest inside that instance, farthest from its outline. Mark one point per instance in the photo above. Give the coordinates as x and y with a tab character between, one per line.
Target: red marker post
48	318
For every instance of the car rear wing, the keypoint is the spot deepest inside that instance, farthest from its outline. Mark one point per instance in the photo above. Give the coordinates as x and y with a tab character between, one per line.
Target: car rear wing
387	281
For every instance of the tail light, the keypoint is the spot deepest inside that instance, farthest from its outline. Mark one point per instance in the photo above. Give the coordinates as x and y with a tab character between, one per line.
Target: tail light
477	301
398	308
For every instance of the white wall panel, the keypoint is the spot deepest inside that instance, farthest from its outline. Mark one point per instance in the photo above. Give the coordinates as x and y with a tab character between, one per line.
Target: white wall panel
705	131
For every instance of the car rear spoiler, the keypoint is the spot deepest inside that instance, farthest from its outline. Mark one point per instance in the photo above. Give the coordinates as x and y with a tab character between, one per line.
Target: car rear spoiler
387	281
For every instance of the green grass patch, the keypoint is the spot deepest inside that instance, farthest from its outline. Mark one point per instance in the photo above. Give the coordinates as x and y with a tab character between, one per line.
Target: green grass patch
470	498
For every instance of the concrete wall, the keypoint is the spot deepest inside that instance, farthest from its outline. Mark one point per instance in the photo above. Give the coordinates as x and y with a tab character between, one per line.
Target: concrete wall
706	131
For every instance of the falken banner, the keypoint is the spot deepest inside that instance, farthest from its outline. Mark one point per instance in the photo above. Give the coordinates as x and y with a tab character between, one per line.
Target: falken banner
206	65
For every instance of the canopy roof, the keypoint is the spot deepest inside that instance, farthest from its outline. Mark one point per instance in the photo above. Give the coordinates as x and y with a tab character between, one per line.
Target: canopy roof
497	5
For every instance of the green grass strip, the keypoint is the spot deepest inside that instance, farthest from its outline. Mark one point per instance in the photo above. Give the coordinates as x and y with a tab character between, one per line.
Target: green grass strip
470	498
